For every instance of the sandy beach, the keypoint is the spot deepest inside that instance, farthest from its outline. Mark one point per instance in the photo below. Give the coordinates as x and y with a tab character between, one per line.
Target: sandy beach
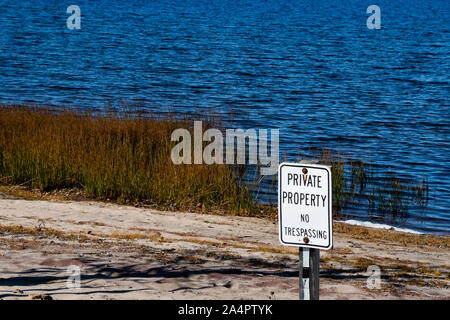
127	252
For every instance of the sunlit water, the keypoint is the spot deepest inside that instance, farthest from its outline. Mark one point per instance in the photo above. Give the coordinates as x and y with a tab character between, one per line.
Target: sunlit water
311	68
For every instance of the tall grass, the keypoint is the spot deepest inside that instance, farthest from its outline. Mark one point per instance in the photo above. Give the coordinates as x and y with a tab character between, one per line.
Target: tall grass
380	193
123	156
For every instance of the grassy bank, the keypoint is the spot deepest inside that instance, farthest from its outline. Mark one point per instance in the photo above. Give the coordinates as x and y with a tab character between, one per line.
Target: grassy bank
124	157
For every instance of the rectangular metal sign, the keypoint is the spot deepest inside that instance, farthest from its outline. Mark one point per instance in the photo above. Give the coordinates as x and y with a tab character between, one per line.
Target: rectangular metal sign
305	205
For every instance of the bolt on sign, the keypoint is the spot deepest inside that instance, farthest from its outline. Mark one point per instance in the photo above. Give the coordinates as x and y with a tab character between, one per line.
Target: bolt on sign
305	205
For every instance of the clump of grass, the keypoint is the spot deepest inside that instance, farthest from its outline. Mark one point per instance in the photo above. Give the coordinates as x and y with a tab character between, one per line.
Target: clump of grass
49	232
117	155
357	184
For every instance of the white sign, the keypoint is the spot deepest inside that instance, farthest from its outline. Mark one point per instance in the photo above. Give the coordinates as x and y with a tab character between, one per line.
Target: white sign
305	205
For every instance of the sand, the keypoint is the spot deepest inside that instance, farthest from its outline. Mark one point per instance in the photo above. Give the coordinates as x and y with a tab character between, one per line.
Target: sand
126	252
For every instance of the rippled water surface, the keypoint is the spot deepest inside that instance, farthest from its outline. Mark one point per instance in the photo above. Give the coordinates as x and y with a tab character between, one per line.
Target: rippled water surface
311	68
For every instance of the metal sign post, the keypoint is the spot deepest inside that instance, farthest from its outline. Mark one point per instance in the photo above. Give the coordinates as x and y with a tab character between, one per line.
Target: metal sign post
305	218
309	263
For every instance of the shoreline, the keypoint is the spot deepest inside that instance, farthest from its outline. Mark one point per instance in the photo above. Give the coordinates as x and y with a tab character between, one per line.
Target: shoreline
21	192
375	225
47	149
128	252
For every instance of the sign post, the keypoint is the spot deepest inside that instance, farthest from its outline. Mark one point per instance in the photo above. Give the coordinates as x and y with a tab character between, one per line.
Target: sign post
305	218
309	261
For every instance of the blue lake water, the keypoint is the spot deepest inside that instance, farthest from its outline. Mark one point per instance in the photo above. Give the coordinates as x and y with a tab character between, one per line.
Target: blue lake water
311	68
